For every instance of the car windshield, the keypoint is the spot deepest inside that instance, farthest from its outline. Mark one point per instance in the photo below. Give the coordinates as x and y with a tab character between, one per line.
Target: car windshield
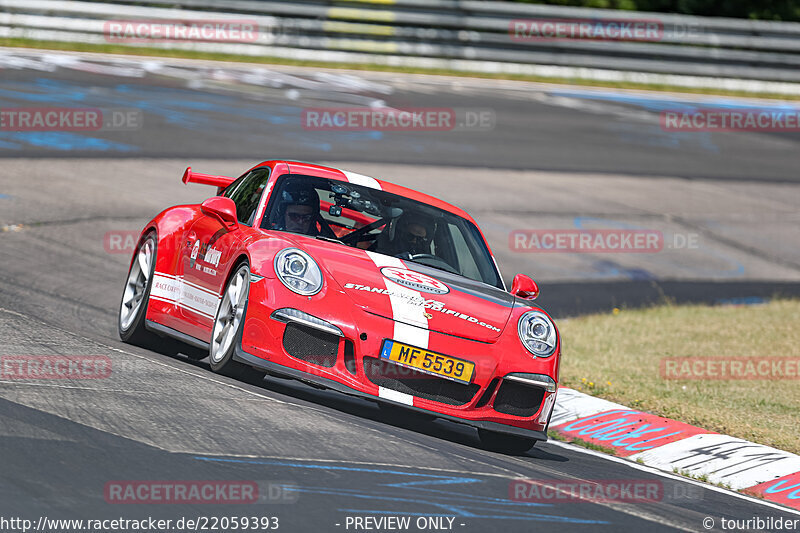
381	222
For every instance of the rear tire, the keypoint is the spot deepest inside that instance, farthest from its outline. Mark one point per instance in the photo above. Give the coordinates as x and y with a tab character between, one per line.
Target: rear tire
228	323
136	295
505	443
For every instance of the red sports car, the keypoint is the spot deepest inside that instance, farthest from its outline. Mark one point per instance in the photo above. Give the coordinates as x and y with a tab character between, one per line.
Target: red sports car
350	283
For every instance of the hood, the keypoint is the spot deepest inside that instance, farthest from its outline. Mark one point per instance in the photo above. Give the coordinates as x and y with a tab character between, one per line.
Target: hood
412	293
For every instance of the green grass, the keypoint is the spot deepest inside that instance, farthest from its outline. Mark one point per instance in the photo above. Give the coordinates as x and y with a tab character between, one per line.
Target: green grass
616	356
703	478
154	52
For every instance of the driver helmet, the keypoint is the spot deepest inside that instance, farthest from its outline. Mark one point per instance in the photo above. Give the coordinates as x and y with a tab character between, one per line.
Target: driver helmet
414	233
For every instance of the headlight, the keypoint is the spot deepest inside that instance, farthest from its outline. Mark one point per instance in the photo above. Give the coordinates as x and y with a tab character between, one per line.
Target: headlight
298	271
537	333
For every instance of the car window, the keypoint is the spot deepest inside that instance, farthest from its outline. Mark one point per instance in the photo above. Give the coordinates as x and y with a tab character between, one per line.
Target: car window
467	264
381	222
246	193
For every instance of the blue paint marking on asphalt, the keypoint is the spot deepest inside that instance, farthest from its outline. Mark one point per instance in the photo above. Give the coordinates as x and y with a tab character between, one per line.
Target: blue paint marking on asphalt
644	134
652	135
4	196
463	509
737	270
676	139
579	221
296	464
658	103
745	300
448	503
192	110
611	269
9	145
66	141
70	97
179	107
461	498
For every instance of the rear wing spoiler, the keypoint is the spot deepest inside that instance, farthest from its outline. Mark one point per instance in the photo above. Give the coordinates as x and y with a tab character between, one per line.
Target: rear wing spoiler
206	179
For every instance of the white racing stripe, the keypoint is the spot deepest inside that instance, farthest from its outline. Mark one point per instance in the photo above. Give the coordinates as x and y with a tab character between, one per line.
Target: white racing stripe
360	179
173	289
410	324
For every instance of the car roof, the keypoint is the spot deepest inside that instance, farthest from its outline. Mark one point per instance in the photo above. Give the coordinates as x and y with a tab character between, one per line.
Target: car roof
311	169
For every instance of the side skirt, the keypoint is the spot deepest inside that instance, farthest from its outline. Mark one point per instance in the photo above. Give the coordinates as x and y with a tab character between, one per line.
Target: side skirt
160	329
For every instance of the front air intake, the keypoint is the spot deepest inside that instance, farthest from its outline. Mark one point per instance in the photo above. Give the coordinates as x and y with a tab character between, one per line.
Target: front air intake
310	344
518	399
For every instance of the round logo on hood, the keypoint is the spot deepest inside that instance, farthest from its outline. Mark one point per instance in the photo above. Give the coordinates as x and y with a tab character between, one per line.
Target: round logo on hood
415	280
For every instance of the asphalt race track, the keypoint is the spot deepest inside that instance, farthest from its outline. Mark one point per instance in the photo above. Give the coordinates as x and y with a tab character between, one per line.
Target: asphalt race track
520	156
553	158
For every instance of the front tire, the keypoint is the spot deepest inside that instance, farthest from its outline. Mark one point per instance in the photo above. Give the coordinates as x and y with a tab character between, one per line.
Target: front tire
228	322
135	296
505	443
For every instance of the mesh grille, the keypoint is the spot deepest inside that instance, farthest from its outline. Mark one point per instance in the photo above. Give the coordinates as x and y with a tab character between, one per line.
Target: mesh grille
311	345
408	381
517	399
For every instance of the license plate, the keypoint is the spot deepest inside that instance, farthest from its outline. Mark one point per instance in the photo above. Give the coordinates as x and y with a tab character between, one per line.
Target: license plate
428	362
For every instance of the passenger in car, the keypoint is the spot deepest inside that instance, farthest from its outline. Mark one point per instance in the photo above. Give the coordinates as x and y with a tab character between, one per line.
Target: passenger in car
413	233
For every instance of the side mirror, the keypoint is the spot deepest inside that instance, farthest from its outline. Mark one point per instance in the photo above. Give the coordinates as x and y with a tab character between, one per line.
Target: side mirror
222	208
524	287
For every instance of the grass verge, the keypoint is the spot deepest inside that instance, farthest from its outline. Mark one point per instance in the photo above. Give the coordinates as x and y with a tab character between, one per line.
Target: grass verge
154	52
616	356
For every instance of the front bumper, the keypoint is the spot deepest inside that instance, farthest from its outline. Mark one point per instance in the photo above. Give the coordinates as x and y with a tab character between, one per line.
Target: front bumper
347	367
274	368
